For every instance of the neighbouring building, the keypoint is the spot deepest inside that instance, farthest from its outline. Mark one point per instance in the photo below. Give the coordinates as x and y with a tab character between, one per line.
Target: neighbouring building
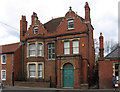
59	53
108	66
10	57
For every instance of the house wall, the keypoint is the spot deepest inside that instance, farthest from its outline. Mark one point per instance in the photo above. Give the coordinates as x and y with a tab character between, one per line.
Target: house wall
18	64
105	74
9	69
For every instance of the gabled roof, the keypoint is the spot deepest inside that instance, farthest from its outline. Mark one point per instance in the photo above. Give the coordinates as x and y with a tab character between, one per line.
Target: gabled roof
53	24
9	48
115	53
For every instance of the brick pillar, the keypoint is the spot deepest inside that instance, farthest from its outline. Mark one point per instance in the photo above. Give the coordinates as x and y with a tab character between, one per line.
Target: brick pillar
101	48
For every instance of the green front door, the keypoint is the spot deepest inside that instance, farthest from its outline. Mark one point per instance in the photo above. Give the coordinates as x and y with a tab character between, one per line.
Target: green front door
68	76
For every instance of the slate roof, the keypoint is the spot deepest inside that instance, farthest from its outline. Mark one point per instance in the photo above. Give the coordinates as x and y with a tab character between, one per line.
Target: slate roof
115	53
9	48
53	24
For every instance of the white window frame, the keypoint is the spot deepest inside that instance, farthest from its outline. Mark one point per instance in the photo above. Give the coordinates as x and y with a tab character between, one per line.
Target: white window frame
52	54
68	48
75	47
40	50
70	23
35	29
36	75
2	59
2	75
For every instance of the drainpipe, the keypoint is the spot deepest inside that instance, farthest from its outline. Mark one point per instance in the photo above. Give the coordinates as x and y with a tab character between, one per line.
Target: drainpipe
13	71
23	57
88	57
55	64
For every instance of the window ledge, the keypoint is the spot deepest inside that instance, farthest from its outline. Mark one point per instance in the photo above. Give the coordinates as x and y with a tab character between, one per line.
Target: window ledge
70	29
35	57
3	79
51	59
3	63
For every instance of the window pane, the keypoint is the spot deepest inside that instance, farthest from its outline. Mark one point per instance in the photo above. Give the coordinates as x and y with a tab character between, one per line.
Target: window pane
49	51
53	55
53	45
32	74
40	70
39	46
53	50
66	44
40	67
32	70
32	49
40	74
32	52
70	24
3	74
35	29
66	51
32	46
49	45
75	50
75	43
32	67
3	59
39	53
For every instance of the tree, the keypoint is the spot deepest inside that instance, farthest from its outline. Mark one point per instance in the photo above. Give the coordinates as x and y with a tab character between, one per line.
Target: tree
109	46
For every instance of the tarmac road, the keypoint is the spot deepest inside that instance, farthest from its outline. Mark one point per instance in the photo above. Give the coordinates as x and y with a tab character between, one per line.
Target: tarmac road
35	89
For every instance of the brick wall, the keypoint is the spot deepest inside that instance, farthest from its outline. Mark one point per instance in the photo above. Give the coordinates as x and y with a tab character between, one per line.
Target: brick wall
105	74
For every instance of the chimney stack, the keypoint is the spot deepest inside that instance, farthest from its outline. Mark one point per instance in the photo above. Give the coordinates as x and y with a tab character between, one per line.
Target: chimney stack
101	45
23	27
87	12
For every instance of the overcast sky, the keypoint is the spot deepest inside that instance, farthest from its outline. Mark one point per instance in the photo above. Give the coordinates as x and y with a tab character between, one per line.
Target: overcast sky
104	15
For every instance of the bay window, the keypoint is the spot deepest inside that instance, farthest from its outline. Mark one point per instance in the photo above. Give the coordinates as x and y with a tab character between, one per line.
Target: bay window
35	49
35	70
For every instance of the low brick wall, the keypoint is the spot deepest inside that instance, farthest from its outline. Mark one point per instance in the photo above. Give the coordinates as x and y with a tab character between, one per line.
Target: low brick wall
33	84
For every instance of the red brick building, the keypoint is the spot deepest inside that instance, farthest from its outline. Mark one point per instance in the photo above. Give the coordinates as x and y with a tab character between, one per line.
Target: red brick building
108	66
59	52
10	57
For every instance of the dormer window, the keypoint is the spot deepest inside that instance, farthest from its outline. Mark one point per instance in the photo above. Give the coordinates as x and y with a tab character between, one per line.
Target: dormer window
35	29
70	24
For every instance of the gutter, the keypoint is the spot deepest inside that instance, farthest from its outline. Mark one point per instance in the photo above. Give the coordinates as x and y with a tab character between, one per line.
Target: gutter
13	71
23	57
88	57
55	64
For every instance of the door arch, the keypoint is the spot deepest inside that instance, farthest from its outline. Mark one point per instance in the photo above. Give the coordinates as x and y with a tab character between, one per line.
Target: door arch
68	75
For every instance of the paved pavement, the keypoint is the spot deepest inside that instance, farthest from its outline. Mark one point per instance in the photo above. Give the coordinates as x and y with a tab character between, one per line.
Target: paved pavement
37	89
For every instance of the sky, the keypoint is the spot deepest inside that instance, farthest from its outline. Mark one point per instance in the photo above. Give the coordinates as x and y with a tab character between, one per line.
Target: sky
104	15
